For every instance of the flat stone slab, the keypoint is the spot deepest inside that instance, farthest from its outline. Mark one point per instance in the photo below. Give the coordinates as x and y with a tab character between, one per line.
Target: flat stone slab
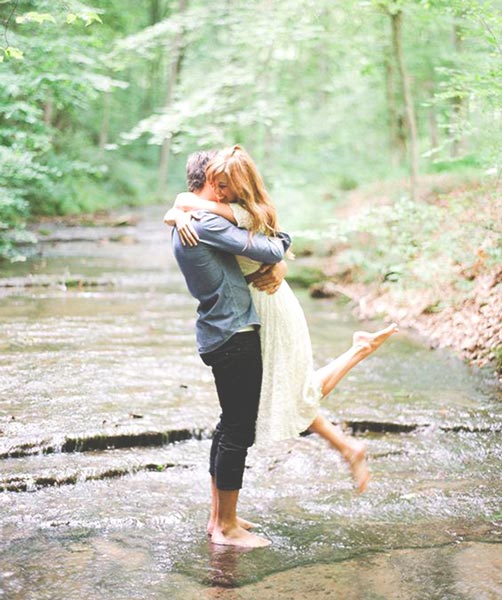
143	535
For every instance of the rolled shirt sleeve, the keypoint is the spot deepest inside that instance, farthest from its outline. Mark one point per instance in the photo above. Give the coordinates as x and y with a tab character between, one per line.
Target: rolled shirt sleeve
217	232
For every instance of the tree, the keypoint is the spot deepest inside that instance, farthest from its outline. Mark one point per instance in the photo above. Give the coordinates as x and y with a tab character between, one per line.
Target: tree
324	95
173	79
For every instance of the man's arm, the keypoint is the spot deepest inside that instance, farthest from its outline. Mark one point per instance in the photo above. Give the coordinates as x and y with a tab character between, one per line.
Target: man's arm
219	233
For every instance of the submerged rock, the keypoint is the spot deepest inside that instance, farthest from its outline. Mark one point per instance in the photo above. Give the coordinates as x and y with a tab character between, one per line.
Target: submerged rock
325	289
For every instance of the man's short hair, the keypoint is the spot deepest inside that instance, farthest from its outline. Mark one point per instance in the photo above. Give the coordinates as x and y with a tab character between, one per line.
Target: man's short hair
196	169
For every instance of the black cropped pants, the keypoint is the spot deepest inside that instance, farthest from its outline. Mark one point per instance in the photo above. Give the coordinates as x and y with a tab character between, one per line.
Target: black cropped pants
237	371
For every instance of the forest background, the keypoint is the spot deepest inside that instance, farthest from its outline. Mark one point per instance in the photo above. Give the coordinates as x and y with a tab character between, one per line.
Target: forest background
376	125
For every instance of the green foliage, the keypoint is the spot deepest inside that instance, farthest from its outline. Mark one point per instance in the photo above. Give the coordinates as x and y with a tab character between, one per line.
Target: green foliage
121	182
44	87
415	244
303	84
87	95
35	17
497	352
394	242
11	52
463	164
13	213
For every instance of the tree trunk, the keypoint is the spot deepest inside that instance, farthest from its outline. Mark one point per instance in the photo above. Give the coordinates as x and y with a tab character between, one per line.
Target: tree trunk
105	121
397	32
433	122
154	11
157	12
172	82
48	112
433	129
396	142
457	103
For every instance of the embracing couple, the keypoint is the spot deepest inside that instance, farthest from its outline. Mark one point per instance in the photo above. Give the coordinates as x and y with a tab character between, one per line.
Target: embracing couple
251	330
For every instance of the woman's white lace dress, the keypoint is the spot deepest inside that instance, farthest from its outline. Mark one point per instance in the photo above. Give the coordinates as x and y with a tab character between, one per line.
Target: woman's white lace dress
290	394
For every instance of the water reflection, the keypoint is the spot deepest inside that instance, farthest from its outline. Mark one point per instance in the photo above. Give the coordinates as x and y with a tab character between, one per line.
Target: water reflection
225	566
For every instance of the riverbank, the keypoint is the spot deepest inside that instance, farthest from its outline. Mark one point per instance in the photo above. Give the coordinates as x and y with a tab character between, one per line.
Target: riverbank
469	325
433	266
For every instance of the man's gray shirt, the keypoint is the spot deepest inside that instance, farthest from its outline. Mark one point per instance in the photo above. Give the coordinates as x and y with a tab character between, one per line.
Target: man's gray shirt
215	279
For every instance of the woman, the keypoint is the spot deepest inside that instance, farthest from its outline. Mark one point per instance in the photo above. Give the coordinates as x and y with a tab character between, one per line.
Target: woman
291	389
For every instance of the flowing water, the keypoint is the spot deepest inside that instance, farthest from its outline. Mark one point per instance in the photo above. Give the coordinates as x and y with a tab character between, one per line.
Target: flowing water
105	416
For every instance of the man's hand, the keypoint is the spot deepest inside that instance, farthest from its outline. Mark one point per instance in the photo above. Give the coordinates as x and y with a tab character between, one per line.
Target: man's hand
269	277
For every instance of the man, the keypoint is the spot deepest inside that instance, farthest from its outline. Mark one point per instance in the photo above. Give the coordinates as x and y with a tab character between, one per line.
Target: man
228	341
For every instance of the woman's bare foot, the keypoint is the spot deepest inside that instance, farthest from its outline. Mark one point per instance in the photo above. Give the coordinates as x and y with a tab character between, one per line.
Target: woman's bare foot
356	459
238	536
244	523
368	342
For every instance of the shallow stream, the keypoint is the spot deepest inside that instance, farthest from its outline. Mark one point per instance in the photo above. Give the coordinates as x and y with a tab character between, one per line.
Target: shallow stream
105	416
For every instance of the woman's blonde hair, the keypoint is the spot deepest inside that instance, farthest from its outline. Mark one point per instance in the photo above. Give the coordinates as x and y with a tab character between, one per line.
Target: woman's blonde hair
246	181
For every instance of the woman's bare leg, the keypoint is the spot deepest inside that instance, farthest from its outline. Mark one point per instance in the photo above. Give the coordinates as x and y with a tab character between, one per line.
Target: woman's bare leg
352	451
363	344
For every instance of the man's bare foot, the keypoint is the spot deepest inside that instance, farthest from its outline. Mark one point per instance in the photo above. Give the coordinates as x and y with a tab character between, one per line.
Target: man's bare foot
238	536
244	523
368	342
356	459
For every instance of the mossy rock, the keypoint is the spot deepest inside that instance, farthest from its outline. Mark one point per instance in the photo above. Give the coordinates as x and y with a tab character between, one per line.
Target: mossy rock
304	276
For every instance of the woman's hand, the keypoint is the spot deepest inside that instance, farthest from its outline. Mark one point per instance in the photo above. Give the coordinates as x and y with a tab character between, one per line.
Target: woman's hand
182	221
187	233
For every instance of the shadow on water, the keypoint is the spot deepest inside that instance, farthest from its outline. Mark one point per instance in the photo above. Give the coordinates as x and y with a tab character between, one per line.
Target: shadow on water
100	382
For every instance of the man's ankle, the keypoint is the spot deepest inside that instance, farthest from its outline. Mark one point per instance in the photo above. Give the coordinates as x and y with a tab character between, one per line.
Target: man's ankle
225	525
